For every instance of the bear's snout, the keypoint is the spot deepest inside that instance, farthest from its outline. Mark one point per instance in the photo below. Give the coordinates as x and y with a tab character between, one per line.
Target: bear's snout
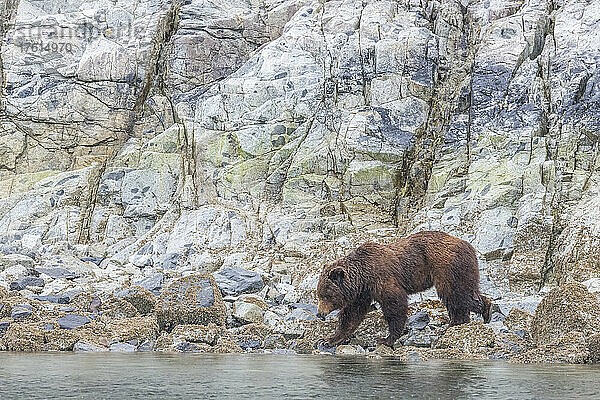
323	309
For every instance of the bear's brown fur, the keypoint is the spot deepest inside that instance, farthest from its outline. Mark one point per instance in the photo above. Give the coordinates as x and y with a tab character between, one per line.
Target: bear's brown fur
389	273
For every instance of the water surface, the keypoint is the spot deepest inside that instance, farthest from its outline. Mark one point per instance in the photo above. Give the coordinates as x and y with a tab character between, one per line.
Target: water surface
201	376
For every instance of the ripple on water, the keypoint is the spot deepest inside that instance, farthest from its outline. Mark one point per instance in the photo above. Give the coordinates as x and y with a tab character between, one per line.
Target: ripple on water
145	376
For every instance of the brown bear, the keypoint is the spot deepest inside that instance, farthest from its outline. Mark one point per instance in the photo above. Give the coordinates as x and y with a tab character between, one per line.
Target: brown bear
389	273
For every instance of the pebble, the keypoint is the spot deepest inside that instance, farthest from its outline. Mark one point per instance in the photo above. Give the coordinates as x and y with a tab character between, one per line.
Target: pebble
148	345
85	347
122	348
21	312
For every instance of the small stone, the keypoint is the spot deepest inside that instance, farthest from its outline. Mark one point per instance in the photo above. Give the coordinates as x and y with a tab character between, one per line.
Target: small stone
85	347
236	280
311	308
148	345
73	321
21	312
275	342
153	283
349	350
3	327
122	348
418	320
57	273
23	283
247	312
95	260
300	314
55	298
249	342
326	349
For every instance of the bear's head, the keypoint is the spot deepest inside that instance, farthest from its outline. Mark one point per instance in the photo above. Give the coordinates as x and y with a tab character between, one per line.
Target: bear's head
330	291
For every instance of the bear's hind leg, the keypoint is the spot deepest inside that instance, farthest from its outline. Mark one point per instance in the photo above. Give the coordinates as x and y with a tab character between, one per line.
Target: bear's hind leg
394	310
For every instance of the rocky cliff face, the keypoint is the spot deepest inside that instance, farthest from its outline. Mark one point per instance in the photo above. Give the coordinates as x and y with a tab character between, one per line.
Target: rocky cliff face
174	137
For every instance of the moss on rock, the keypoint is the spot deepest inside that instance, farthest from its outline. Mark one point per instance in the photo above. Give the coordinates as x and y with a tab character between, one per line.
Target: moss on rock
195	299
567	308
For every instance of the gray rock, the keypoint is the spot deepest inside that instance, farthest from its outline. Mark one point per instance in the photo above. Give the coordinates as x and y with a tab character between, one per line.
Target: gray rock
21	312
85	347
236	280
3	327
247	312
349	350
527	303
300	314
148	345
421	337
72	321
311	308
122	348
22	283
284	352
95	260
275	341
54	298
418	320
326	349
153	283
187	347
57	273
249	342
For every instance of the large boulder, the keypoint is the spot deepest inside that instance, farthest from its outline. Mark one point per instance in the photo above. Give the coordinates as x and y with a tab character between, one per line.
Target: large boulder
208	334
236	280
142	299
139	329
473	337
195	299
570	348
565	309
60	339
23	337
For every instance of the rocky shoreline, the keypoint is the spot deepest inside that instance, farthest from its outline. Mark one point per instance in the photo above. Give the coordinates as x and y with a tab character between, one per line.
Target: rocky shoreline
233	311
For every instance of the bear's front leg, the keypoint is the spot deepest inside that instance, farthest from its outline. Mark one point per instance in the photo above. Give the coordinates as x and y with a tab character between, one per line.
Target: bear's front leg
350	318
395	308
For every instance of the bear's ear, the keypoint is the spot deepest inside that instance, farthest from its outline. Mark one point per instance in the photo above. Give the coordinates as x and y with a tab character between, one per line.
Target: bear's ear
337	275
